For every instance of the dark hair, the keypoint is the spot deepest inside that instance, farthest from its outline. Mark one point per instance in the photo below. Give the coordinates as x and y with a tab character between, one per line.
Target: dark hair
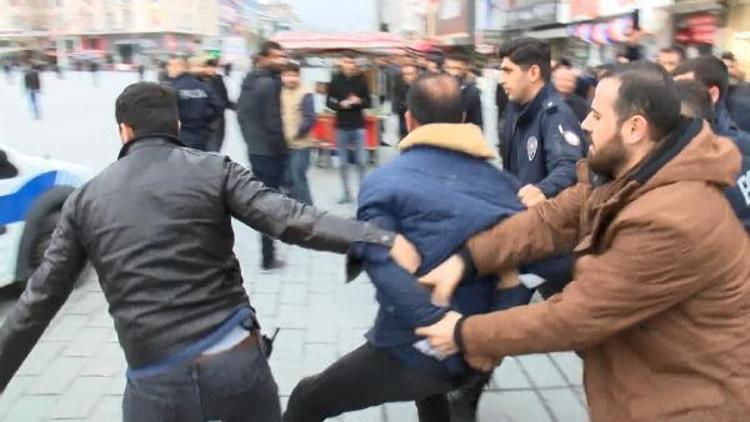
676	49
266	47
149	108
694	96
563	62
527	52
435	99
212	62
728	55
458	56
647	89
291	67
707	69
348	54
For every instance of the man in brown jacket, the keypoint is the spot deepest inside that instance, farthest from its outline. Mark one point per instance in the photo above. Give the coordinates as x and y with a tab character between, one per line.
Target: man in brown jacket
659	308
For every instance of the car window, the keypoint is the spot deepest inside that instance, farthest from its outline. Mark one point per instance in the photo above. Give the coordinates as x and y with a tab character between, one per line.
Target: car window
7	170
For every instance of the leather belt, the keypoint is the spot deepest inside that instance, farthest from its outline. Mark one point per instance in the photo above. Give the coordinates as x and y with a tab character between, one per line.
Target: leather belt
252	339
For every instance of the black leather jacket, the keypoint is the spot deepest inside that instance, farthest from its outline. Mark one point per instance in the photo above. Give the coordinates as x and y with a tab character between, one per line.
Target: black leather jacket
156	226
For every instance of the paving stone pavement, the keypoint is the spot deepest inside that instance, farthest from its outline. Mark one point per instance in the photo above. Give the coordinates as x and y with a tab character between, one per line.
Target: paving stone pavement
76	372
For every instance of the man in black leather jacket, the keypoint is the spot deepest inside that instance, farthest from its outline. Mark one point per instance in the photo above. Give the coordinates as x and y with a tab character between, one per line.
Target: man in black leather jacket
156	227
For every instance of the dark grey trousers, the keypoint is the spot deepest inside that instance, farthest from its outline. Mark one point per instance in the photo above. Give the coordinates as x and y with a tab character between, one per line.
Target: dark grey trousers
233	386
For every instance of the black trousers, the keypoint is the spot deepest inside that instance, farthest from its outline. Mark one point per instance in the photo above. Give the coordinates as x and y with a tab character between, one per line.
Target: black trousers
270	170
364	378
217	139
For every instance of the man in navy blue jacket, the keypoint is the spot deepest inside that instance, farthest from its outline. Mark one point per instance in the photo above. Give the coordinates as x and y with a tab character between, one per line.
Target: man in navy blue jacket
542	138
713	75
197	105
438	192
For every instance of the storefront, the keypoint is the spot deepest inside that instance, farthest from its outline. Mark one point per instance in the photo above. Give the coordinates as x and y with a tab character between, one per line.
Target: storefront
737	35
319	54
697	25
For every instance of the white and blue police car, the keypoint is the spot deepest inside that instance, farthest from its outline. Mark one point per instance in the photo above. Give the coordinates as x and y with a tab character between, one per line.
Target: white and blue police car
32	192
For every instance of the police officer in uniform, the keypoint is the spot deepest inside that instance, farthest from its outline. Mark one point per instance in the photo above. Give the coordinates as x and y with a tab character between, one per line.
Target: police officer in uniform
543	139
541	144
707	100
197	104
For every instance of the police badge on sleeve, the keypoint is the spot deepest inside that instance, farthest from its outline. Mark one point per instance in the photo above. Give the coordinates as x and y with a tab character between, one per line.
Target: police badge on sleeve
532	146
570	137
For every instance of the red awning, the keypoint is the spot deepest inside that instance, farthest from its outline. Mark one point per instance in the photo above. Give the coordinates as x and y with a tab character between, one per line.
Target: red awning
339	41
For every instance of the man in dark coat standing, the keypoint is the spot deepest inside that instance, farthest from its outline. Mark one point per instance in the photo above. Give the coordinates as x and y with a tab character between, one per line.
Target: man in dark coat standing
259	116
457	65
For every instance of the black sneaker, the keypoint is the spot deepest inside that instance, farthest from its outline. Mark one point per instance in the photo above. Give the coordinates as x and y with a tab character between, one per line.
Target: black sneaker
277	264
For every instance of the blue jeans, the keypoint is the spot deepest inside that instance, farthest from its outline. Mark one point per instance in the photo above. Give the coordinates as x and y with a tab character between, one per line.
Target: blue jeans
232	386
347	139
299	162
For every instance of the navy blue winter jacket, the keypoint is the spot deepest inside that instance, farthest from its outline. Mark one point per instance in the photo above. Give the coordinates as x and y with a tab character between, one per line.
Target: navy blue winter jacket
739	194
542	143
439	192
198	107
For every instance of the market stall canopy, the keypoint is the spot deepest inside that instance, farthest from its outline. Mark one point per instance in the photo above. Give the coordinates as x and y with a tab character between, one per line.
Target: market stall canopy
359	41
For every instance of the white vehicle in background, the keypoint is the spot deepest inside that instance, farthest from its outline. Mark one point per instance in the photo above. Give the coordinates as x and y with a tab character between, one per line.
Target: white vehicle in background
32	192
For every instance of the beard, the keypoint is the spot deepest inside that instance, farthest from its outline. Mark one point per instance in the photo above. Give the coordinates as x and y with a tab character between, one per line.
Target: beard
607	159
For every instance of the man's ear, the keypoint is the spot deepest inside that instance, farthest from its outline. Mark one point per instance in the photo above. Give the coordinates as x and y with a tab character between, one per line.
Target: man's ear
126	133
411	124
534	73
715	94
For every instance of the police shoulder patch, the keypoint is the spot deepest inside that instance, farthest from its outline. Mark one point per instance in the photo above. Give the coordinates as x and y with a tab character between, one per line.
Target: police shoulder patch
570	137
532	146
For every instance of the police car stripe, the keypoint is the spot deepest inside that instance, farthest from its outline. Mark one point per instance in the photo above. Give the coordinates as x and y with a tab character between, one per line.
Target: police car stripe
13	207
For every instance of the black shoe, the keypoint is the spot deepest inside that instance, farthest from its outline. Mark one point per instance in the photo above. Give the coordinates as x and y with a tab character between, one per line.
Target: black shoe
277	264
464	401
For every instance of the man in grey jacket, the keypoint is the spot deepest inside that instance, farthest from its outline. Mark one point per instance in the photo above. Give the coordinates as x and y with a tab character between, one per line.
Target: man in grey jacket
156	227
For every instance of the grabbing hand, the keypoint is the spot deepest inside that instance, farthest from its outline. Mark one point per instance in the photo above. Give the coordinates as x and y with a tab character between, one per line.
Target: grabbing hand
444	280
405	254
531	195
440	334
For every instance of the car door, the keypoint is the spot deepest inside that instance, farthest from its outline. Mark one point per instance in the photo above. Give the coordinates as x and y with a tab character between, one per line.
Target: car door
8	243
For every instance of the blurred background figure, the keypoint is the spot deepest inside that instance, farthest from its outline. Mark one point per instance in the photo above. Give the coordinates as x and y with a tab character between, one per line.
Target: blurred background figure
564	81
738	92
215	81
197	105
671	57
141	69
8	70
298	117
94	69
33	86
409	74
349	96
458	66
